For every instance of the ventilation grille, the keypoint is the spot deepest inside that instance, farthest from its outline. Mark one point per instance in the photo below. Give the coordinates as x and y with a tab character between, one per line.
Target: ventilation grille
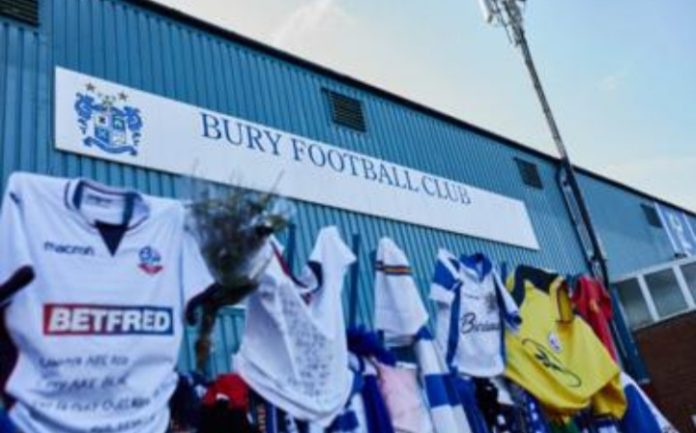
22	10
651	215
529	173
346	111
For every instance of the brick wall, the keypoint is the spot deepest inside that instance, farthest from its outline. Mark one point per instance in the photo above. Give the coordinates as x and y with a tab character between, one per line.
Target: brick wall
669	351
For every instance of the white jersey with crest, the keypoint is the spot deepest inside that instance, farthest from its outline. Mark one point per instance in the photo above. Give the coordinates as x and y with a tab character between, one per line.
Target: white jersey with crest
473	309
95	336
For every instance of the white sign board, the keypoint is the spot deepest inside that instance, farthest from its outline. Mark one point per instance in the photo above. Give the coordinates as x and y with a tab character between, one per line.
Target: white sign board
106	120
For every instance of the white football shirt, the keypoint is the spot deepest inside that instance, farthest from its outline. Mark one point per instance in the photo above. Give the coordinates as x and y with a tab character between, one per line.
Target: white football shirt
472	309
399	309
96	334
294	351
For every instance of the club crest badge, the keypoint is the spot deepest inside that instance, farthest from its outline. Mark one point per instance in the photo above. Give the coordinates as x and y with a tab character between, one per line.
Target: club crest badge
555	342
108	122
150	260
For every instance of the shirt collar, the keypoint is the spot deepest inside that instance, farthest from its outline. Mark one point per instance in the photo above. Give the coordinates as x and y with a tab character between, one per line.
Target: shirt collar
477	265
136	209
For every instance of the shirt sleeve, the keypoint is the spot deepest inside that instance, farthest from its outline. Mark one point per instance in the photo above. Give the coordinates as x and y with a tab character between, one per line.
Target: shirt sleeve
510	310
16	265
331	252
445	279
195	276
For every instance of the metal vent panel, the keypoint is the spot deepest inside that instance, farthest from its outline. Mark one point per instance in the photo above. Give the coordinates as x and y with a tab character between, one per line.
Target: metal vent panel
346	111
529	173
651	215
22	10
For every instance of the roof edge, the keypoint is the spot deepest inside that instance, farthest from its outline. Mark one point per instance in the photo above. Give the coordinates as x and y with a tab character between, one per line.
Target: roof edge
186	18
634	190
315	67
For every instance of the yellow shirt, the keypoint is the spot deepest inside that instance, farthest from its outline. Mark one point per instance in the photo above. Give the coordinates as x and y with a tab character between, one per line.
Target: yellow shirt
555	355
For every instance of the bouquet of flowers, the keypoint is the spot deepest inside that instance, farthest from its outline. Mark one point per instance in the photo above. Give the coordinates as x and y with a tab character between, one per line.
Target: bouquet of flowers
231	225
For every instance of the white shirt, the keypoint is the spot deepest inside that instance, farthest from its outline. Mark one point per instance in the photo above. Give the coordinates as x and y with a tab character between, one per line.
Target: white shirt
294	351
446	411
97	333
473	307
399	309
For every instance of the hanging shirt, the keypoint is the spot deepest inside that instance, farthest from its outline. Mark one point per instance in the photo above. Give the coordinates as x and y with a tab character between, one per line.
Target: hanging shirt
593	303
445	405
294	352
556	356
399	311
96	334
473	308
376	411
445	408
642	416
403	397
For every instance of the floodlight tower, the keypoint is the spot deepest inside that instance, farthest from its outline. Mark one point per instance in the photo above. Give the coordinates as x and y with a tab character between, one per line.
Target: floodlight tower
508	14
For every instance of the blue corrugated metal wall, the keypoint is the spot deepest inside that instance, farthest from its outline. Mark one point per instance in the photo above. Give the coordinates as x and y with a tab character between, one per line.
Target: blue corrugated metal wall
629	241
135	46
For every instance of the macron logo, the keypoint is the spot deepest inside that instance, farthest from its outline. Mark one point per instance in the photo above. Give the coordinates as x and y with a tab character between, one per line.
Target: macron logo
69	249
87	319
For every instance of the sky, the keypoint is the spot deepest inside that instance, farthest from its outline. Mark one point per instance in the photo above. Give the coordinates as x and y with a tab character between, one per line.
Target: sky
620	75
